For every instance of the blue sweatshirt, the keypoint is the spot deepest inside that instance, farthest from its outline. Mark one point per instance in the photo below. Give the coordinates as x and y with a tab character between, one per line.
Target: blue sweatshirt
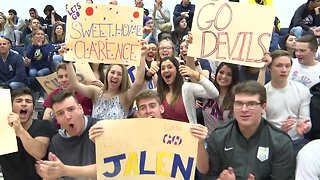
13	69
39	55
179	8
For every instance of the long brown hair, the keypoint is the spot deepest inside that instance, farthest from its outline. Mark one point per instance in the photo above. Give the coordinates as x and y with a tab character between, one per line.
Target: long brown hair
54	38
125	82
5	22
162	86
227	102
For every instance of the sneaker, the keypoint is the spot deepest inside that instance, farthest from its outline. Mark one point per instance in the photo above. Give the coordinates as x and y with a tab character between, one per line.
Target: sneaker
40	100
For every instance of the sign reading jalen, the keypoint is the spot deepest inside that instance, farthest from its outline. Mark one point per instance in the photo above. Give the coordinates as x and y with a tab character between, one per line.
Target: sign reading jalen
145	148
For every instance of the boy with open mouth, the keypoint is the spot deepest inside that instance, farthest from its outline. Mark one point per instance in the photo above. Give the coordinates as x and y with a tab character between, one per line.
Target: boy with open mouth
71	153
33	137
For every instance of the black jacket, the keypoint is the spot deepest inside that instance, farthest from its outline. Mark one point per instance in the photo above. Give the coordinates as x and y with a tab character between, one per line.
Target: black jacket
305	18
315	112
268	154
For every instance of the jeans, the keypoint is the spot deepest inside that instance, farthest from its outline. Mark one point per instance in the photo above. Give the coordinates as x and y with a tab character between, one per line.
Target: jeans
297	31
17	85
56	59
17	34
298	145
35	85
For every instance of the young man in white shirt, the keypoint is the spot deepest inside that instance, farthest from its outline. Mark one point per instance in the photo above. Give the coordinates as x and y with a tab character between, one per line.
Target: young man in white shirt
288	101
305	68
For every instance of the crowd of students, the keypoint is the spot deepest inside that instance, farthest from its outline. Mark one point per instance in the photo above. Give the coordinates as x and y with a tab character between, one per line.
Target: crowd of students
251	123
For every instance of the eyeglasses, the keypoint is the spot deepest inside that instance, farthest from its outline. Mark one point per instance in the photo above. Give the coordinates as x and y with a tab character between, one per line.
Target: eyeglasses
166	47
251	105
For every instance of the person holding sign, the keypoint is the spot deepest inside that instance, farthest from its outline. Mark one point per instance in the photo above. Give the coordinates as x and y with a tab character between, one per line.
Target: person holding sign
71	153
248	147
292	115
33	138
114	100
217	111
149	106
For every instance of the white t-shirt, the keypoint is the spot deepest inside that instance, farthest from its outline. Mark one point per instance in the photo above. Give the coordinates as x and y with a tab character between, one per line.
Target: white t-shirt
308	161
292	100
307	75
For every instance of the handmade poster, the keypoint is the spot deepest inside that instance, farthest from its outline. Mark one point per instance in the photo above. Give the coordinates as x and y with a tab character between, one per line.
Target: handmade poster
132	70
84	75
104	33
146	148
7	134
237	33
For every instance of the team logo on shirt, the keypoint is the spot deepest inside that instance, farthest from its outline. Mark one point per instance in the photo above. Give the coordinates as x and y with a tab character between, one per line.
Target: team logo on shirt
10	67
263	153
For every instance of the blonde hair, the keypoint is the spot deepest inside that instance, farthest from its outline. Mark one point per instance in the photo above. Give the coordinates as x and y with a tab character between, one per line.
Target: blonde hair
45	40
5	22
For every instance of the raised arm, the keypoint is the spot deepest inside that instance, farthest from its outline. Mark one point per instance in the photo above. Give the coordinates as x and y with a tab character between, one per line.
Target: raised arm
130	94
89	91
262	73
203	88
37	146
53	17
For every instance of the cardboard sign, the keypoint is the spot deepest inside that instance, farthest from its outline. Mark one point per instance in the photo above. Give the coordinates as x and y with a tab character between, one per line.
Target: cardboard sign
83	68
7	134
237	33
104	33
145	148
84	74
132	70
49	82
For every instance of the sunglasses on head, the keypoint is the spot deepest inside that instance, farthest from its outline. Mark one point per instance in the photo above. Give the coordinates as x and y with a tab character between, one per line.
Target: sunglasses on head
6	39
